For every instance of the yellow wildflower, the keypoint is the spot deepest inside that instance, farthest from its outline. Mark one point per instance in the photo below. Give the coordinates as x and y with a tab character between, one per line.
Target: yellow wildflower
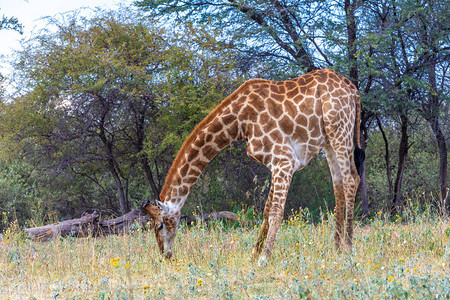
115	261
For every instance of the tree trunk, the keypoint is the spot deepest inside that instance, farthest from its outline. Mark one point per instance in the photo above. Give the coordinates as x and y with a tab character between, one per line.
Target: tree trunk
365	117
351	40
402	154
350	18
363	191
149	175
140	113
386	158
443	164
123	202
432	110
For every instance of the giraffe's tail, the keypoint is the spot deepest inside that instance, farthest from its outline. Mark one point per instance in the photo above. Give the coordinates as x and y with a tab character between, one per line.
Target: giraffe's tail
359	154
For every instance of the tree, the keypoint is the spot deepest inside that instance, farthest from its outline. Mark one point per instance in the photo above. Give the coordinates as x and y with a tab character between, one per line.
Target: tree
432	27
10	23
398	47
96	77
117	93
261	29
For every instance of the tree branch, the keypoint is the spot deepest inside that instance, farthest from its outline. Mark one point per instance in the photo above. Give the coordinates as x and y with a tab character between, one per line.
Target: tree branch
300	54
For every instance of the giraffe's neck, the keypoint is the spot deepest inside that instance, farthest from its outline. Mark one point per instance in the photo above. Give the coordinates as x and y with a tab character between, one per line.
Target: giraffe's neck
220	128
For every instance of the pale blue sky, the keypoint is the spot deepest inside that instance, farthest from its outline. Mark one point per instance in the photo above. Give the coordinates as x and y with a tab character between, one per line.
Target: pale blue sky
29	12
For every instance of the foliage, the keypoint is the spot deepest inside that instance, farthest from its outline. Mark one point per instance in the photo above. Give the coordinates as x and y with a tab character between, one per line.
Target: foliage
284	34
106	101
115	96
10	23
98	88
16	192
421	178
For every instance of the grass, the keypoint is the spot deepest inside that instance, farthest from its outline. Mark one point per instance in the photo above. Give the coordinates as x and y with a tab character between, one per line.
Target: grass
390	259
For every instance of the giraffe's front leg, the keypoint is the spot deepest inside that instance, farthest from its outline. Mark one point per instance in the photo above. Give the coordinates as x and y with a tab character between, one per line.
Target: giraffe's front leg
264	227
280	184
261	239
274	224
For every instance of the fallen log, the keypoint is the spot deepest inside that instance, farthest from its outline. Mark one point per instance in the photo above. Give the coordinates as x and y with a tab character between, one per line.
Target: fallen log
221	215
75	227
129	222
92	225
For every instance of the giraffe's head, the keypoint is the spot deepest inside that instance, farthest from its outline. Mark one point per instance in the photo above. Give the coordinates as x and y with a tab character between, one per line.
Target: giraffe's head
165	222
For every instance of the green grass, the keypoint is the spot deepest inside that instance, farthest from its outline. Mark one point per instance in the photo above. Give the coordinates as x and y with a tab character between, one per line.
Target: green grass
390	259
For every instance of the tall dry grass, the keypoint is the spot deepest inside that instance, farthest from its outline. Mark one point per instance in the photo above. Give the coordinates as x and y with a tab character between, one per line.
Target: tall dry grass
407	257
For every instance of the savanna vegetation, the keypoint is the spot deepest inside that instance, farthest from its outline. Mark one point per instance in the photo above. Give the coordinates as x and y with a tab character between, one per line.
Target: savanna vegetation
98	105
402	259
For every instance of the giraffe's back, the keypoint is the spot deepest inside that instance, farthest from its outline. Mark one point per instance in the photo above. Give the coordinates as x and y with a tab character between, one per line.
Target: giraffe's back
296	115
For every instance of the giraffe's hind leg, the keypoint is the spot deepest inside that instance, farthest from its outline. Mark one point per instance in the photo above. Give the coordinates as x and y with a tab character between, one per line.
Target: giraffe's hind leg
339	121
339	195
340	157
351	187
264	227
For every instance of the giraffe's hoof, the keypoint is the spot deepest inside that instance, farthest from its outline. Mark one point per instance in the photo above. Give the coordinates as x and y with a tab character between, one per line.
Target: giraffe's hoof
338	247
263	261
255	254
347	247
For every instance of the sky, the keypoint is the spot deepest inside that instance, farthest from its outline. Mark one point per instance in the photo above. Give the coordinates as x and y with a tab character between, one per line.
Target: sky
30	14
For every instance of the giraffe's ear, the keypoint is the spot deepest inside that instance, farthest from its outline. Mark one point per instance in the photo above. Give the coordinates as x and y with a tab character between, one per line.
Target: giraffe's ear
163	206
144	205
153	210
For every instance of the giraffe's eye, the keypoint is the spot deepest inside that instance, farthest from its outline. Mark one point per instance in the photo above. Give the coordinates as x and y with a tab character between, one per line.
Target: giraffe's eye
160	226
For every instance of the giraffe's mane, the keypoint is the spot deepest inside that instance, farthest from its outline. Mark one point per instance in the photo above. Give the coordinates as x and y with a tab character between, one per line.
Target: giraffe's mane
219	108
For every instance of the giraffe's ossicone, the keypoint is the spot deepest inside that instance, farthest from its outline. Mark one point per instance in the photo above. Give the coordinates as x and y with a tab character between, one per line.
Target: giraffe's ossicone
285	125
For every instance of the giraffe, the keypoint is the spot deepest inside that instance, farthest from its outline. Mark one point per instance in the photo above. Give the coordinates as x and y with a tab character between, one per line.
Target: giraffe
285	125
